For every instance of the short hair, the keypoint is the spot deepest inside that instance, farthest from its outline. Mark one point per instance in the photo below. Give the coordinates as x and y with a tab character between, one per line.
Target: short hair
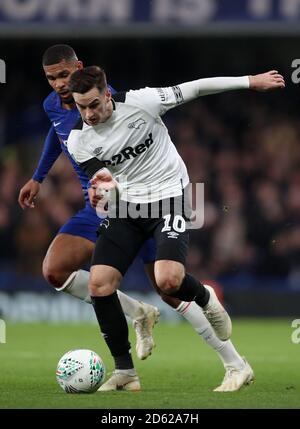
57	53
83	80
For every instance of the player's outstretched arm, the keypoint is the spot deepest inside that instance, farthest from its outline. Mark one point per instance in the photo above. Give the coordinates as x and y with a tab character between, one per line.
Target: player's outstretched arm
261	82
159	100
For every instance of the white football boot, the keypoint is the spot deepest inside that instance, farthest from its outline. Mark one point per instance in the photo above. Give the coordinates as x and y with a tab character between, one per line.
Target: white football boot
121	380
236	378
217	316
143	326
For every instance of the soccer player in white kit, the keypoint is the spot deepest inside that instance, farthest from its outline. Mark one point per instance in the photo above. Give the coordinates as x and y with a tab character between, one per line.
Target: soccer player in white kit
125	138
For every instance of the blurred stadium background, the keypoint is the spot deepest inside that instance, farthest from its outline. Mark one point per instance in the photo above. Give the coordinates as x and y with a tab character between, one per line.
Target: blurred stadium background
244	146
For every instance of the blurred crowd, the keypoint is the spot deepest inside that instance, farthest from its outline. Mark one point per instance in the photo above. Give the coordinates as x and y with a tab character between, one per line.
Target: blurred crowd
245	152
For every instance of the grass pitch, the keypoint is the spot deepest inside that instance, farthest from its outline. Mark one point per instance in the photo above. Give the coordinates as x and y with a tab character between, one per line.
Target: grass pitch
181	373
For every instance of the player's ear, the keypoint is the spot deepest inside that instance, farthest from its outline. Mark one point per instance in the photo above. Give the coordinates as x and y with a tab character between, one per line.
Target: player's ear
79	65
107	94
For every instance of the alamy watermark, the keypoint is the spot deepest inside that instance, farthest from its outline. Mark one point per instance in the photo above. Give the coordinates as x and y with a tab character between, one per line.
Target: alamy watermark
187	209
296	73
295	337
2	71
2	332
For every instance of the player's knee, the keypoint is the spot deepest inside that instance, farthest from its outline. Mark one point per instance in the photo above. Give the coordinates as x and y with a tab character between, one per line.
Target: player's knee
101	287
53	275
94	287
168	282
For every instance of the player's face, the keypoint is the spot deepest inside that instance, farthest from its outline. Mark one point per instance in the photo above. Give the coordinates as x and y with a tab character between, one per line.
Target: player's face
94	107
58	76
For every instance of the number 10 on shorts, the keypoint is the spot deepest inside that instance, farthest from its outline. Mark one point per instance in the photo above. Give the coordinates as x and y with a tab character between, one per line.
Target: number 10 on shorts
177	225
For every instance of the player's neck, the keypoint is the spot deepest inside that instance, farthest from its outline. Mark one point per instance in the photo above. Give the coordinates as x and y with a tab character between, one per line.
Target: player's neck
69	106
110	109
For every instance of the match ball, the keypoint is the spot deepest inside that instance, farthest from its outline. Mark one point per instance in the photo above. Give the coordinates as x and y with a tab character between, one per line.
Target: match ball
80	371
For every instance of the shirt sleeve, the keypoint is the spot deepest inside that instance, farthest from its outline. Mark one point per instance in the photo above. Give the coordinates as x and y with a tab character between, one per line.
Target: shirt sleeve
52	150
158	101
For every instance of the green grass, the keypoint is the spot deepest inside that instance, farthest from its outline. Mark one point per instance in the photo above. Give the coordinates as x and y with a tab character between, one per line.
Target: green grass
181	373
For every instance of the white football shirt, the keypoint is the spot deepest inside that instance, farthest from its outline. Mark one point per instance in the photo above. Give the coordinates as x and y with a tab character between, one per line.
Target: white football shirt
134	144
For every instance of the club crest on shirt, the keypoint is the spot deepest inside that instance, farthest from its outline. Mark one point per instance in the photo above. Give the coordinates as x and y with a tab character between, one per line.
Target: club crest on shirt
137	124
97	150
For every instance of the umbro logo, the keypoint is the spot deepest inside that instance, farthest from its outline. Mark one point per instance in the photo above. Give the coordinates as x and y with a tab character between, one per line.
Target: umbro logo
97	150
172	234
137	124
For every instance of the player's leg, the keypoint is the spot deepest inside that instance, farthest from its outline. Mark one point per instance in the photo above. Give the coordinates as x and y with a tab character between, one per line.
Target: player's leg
65	255
104	281
171	278
172	238
143	316
69	251
195	316
238	371
61	268
110	261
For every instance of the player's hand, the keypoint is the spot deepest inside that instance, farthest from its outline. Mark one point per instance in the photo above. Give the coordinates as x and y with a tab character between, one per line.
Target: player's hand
94	197
28	193
105	190
103	180
267	81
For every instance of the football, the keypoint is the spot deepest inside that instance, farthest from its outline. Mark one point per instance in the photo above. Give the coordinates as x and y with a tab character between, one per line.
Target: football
80	371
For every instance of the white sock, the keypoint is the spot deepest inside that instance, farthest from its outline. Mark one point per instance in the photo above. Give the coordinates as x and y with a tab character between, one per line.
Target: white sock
225	349
77	286
130	306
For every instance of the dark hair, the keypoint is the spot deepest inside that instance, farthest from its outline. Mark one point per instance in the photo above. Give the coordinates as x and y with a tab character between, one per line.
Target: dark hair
57	53
87	78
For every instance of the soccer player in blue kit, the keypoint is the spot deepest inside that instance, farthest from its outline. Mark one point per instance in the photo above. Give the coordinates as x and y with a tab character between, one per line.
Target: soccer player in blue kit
74	244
